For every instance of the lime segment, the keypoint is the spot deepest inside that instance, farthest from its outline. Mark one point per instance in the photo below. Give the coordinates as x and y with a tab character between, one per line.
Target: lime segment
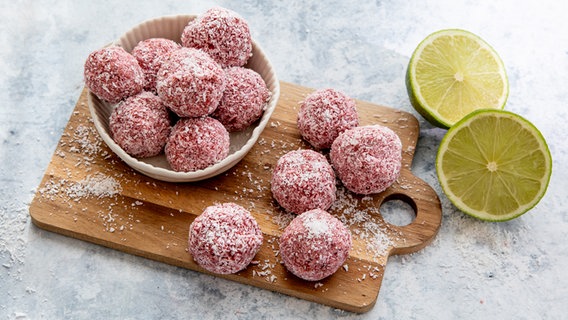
494	165
452	73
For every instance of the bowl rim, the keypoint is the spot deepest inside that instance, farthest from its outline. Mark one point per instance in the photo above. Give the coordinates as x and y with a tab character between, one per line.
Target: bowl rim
170	175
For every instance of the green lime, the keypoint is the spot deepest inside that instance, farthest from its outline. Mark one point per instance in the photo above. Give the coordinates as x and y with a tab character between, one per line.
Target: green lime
452	73
494	165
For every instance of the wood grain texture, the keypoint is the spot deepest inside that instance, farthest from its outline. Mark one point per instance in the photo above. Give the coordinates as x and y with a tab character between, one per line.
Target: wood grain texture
150	218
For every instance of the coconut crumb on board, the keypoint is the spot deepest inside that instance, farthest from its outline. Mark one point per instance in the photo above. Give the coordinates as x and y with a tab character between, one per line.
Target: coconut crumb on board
98	186
361	218
82	150
85	143
265	268
280	218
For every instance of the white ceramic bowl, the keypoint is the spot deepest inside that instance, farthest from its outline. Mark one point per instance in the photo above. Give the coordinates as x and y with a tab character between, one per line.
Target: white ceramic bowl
171	27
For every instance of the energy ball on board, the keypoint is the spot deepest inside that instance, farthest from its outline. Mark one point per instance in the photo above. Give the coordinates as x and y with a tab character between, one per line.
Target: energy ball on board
367	159
314	245
150	54
303	180
190	83
324	114
113	74
140	125
244	99
196	143
221	33
224	238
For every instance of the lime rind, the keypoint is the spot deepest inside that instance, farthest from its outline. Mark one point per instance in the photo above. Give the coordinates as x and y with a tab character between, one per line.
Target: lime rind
417	99
476	212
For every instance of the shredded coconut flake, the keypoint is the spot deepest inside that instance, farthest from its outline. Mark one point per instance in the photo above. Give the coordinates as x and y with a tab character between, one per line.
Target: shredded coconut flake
316	227
362	219
98	186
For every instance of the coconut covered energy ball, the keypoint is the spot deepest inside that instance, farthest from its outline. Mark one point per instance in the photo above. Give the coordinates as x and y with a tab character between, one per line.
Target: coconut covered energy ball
303	180
150	54
367	159
190	83
196	143
244	100
224	238
221	33
314	245
113	74
324	114
140	125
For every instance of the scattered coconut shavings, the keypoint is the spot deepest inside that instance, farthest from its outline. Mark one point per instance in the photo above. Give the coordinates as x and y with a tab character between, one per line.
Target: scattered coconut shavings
281	219
86	141
98	186
364	223
13	223
265	268
315	226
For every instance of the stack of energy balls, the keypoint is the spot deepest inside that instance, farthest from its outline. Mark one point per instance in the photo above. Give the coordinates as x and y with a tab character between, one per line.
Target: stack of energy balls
181	99
366	159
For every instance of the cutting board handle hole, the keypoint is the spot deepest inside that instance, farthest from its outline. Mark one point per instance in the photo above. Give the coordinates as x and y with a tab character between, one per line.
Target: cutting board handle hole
398	210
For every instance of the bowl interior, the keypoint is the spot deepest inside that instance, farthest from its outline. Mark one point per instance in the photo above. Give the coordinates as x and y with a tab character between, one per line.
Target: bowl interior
157	167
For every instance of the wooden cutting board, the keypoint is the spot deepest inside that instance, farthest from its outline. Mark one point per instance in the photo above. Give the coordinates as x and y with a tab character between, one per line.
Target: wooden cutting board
88	193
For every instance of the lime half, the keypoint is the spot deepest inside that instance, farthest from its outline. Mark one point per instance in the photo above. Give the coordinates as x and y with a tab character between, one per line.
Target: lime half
453	73
494	165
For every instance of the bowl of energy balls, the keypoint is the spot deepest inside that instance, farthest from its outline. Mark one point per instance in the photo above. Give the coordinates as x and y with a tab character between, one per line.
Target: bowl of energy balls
182	98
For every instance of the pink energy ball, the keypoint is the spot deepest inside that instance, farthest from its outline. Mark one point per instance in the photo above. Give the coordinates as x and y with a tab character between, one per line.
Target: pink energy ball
190	83
196	143
113	74
140	125
303	180
150	54
314	245
221	33
244	99
324	114
367	159
224	238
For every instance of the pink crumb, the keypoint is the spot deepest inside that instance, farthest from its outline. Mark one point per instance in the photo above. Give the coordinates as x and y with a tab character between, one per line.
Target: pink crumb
196	143
150	54
225	238
244	99
113	74
190	83
140	125
324	114
367	159
314	245
303	180
221	33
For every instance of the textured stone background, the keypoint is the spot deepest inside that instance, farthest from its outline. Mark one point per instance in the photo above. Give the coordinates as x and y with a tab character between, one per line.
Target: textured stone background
473	270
